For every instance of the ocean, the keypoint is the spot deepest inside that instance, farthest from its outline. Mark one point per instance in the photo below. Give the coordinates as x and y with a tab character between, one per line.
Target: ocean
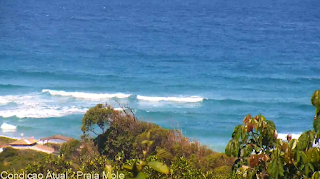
198	66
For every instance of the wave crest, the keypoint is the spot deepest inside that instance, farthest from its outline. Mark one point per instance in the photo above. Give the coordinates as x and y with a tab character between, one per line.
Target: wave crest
8	127
191	99
37	106
87	96
41	112
3	101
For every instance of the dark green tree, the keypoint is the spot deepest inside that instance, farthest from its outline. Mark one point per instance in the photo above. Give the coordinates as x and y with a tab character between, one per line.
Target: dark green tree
101	116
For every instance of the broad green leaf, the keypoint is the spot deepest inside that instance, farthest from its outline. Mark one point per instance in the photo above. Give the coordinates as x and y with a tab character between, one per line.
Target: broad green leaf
298	156
141	165
315	99
247	150
301	167
261	118
244	136
232	149
158	166
316	175
144	141
237	132
306	169
228	149
275	167
127	167
316	124
304	157
293	143
313	155
271	125
141	176
311	167
306	140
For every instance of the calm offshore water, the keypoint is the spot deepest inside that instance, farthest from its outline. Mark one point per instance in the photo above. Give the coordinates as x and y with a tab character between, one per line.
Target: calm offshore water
219	60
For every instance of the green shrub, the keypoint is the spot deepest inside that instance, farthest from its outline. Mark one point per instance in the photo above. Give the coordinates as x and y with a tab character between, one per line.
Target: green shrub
122	141
223	170
5	140
70	148
18	159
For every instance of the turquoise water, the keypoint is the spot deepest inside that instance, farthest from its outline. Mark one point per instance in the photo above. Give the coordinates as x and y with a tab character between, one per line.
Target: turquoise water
198	66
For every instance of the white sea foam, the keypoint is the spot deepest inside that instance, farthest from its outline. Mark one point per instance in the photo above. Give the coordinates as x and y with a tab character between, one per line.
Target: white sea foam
42	112
3	101
15	99
191	99
8	127
87	96
296	136
37	106
283	136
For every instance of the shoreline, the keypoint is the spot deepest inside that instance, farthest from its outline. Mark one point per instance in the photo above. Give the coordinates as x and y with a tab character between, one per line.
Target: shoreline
56	141
53	141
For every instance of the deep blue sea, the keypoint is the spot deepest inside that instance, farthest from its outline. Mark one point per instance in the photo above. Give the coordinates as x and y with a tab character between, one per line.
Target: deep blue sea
200	66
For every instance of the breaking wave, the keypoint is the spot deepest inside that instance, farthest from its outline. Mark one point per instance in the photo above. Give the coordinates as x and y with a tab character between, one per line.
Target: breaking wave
191	99
8	127
3	101
36	106
88	96
42	112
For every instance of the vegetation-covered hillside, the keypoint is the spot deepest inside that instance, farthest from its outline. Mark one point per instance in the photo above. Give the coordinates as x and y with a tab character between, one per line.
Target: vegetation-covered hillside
116	142
119	142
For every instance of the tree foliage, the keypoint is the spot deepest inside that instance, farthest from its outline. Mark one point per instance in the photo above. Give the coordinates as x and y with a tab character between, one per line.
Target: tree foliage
70	148
100	115
135	148
260	154
145	150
